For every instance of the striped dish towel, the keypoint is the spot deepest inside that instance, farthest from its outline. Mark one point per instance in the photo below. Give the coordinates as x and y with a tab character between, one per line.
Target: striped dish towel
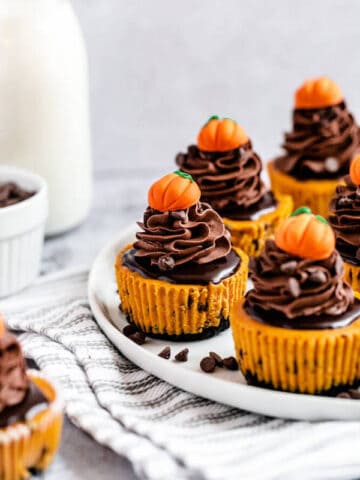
166	433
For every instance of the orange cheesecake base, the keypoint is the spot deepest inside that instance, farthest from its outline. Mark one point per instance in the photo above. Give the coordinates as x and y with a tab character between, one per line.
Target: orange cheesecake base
305	361
177	310
315	194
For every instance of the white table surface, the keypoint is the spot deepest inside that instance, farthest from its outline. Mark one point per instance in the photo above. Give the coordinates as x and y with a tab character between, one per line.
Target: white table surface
158	70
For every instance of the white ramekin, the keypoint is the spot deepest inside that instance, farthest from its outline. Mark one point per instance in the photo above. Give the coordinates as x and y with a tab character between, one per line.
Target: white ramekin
22	232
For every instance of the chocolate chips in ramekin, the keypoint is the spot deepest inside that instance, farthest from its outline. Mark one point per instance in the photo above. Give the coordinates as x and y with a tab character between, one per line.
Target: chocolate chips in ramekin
11	194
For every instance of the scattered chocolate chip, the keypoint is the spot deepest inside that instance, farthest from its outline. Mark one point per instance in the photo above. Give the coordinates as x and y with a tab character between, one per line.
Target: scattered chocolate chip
317	277
182	356
343	395
354	394
138	337
208	364
351	393
165	353
288	267
130	330
166	263
217	358
331	164
230	363
294	287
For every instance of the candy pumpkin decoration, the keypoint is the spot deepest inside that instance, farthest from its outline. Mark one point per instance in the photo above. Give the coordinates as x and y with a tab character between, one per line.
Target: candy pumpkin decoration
221	135
355	170
306	235
175	191
318	93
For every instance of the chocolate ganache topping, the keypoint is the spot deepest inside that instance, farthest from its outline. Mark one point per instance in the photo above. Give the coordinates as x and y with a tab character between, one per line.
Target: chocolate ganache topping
171	239
18	394
322	143
229	181
345	220
183	246
14	383
299	293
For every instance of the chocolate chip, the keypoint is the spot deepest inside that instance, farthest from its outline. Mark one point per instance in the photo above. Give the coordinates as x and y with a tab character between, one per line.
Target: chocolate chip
230	363
179	215
354	394
288	267
208	364
338	265
294	287
166	263
202	307
182	356
331	164
138	337
343	201
130	330
343	395
317	277
347	180
217	358
253	264
11	193
165	353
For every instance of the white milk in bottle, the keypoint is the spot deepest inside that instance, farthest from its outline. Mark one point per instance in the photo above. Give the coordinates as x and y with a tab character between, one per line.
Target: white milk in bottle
44	113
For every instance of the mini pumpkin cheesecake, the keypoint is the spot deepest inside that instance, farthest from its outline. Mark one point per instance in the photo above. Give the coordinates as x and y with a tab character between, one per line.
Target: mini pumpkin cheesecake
181	277
345	220
30	414
320	147
228	172
298	329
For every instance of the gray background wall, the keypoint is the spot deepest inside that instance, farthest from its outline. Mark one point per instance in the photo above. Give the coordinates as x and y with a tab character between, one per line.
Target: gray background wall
160	68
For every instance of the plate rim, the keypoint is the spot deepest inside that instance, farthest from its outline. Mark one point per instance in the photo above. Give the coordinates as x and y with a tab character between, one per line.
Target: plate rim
247	393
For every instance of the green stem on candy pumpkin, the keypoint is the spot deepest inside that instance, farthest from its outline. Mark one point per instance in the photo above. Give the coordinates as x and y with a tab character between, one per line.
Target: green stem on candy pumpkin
321	219
184	175
300	210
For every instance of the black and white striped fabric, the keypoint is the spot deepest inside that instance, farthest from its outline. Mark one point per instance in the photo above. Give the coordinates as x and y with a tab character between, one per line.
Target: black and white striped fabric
166	433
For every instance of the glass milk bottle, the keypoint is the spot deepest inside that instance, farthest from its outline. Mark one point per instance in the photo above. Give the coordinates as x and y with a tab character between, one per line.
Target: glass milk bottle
44	119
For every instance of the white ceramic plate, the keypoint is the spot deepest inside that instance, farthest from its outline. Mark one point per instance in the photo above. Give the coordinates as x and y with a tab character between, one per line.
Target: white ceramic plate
222	386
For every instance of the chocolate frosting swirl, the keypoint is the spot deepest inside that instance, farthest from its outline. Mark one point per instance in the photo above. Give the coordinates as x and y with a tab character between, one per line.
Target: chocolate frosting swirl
227	180
14	383
345	220
297	288
170	239
322	143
